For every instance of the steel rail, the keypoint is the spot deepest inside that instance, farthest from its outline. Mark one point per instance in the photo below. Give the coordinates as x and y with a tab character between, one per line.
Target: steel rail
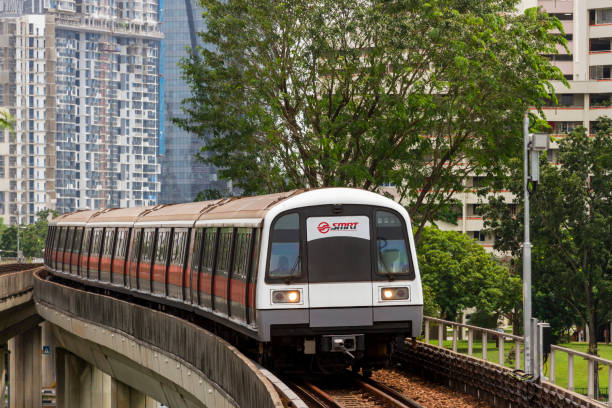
317	395
385	393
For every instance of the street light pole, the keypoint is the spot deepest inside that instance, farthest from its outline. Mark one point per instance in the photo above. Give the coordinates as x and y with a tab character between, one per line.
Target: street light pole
526	251
18	224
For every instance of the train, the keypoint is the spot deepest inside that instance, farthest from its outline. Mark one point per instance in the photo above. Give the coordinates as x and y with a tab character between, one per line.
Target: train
327	275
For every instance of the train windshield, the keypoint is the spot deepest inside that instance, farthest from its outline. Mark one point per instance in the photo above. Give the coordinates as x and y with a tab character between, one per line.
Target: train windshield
338	249
392	254
285	250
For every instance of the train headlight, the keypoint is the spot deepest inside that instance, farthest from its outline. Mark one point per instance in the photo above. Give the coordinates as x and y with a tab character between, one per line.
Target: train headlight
401	293
286	296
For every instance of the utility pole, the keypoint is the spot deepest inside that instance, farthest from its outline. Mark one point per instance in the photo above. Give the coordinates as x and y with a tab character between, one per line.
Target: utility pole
526	251
533	145
18	224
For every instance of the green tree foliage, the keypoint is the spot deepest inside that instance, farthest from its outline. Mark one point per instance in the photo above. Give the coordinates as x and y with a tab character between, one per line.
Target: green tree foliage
430	307
462	275
207	195
6	121
303	94
31	239
571	230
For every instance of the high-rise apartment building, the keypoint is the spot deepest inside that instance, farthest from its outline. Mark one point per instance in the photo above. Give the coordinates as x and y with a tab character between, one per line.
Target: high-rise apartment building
182	175
82	78
587	68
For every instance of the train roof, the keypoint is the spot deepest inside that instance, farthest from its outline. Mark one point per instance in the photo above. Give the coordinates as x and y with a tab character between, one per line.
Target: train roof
243	210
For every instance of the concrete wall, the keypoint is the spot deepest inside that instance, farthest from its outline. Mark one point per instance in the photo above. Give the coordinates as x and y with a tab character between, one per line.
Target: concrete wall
170	359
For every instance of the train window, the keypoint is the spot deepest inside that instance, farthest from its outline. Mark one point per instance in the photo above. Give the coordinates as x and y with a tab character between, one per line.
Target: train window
78	238
241	253
136	244
58	239
121	245
68	245
224	250
161	249
97	241
285	247
208	258
108	242
391	245
178	246
147	245
86	237
197	250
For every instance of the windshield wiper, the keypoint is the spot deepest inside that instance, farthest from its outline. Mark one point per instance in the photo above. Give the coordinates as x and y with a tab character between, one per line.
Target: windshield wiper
291	276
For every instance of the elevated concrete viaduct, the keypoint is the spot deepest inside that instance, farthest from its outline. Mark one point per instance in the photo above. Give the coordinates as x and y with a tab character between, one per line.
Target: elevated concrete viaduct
102	352
110	352
19	326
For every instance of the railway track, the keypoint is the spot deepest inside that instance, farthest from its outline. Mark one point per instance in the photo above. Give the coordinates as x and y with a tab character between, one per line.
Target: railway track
16	267
350	391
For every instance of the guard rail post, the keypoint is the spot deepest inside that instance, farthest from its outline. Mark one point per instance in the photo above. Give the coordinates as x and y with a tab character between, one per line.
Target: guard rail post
500	351
426	331
517	354
590	381
610	385
484	345
470	342
570	372
440	330
455	329
551	374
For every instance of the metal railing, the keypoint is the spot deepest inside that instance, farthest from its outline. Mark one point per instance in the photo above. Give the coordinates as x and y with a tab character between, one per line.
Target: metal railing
485	335
592	360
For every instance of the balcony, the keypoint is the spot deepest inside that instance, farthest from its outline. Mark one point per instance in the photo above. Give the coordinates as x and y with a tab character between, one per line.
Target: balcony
600	57
557	6
596	112
564	113
600	30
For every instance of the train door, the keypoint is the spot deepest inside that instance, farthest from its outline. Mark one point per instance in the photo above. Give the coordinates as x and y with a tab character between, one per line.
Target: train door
209	259
85	250
195	264
135	252
339	265
238	283
222	270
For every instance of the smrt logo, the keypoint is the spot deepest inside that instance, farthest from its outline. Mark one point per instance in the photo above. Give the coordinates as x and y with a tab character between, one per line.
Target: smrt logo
324	227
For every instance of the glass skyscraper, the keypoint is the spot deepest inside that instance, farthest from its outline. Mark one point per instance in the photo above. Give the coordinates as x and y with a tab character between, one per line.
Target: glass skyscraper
182	175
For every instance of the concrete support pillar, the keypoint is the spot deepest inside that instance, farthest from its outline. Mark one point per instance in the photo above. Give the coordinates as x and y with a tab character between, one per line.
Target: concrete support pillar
68	372
48	356
25	370
3	364
81	385
135	398
122	396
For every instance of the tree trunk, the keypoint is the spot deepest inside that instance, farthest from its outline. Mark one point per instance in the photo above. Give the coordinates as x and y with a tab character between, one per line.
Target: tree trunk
592	329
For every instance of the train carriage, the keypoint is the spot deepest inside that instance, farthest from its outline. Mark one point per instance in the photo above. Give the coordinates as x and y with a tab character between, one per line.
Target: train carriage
326	272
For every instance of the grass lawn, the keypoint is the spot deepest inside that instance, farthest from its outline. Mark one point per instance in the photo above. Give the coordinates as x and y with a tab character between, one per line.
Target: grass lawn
580	365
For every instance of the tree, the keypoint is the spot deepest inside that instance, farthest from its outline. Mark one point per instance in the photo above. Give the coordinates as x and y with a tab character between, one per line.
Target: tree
573	217
571	228
32	237
303	94
462	275
6	121
208	194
